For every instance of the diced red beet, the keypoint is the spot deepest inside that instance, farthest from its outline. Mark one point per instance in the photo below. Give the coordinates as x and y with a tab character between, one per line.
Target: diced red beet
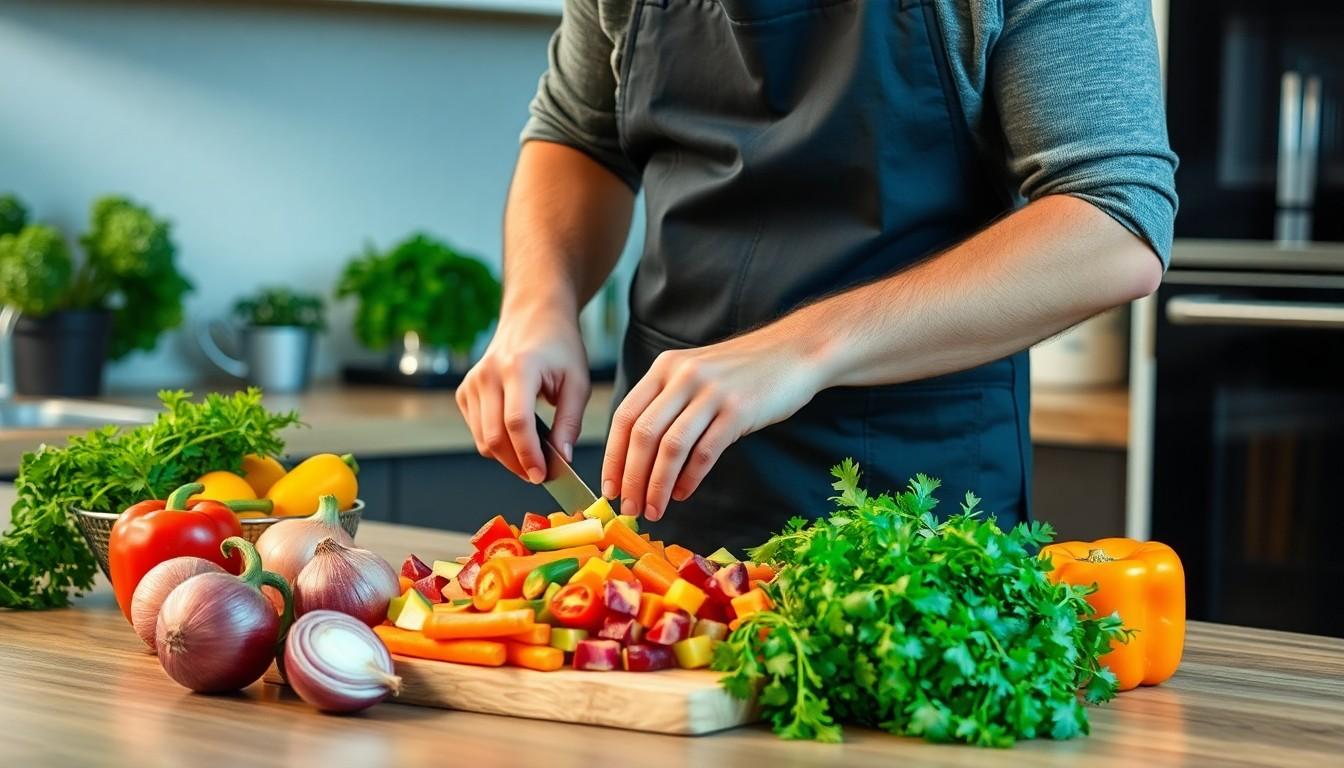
466	578
648	658
671	627
714	611
431	587
729	582
414	568
622	597
697	570
618	628
597	655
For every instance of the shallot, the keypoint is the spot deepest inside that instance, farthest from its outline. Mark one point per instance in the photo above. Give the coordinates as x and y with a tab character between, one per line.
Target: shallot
346	579
287	546
337	664
155	586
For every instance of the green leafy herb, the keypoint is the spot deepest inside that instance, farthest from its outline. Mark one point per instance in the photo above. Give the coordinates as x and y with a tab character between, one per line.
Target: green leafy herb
947	630
281	307
13	214
35	269
43	557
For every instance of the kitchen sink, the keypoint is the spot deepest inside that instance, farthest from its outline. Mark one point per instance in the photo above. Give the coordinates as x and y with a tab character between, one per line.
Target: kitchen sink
57	413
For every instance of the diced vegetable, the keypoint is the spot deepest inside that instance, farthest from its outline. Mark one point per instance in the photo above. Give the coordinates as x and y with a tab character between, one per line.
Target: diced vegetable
554	572
454	607
659	549
567	638
655	573
600	510
539	657
510	572
431	586
648	658
415	610
451	626
620	572
650	609
615	554
722	556
560	518
396	604
512	604
404	583
577	605
588	531
714	630
760	572
404	642
597	655
414	568
714	610
454	591
539	634
534	522
593	574
621	597
505	548
695	651
684	596
629	521
671	627
446	568
467	578
618	534
622	629
697	570
677	554
752	602
496	528
728	582
544	615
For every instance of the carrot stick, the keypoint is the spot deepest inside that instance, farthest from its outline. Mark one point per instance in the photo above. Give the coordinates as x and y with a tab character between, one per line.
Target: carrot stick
511	571
543	658
404	642
619	534
443	625
677	554
655	573
659	549
539	634
760	572
620	572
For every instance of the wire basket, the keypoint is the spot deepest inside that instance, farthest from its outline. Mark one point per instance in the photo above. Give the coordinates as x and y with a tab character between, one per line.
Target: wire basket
97	527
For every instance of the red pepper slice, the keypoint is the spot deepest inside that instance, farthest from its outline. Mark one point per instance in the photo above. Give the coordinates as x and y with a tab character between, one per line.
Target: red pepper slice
577	605
497	528
505	548
534	522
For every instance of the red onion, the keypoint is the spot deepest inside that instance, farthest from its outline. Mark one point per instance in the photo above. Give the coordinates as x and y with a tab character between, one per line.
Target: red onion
337	664
287	546
216	632
154	587
348	580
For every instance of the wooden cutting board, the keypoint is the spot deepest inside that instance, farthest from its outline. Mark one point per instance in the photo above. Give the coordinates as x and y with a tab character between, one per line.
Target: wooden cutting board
675	701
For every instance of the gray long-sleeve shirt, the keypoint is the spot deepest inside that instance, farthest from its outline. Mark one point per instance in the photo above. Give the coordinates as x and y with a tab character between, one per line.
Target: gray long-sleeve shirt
1063	95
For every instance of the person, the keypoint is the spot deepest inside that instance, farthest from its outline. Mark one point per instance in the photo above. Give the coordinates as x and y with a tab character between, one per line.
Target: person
859	216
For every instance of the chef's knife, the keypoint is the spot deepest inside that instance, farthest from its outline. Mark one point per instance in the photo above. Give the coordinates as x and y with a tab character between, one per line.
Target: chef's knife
562	482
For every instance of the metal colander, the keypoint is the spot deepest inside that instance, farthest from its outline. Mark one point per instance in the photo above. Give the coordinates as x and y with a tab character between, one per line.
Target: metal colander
97	527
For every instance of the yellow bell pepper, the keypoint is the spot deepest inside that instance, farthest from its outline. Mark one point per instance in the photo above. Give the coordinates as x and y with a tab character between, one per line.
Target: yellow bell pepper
1141	580
297	493
261	472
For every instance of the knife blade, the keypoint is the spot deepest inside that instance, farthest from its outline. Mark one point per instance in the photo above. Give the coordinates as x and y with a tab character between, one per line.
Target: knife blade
562	482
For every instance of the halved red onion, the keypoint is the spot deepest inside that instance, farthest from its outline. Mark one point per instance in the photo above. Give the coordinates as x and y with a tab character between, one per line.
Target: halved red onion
337	664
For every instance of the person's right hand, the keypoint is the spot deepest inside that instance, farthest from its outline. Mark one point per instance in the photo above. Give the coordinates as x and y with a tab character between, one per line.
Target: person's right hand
539	353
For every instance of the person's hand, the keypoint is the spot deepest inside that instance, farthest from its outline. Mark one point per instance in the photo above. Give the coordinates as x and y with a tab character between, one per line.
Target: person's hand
540	353
692	404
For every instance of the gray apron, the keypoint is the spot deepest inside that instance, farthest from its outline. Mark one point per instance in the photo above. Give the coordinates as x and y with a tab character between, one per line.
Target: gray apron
791	149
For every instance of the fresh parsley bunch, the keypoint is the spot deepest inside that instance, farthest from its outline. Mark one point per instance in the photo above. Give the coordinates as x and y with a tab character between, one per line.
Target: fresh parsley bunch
42	555
886	617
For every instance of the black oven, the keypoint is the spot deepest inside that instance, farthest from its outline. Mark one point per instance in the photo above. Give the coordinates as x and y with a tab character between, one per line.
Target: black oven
1248	436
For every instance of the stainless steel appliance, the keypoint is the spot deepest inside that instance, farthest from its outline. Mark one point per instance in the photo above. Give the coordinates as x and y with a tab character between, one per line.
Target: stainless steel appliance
1247	431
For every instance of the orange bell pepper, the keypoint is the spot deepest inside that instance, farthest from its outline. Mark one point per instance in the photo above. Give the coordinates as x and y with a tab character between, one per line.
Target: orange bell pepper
1141	580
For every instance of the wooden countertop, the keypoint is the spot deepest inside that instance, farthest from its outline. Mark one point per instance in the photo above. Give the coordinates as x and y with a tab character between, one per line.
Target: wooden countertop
78	688
383	421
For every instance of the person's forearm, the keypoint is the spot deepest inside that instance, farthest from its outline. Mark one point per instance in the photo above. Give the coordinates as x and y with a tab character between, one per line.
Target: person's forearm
566	221
1030	275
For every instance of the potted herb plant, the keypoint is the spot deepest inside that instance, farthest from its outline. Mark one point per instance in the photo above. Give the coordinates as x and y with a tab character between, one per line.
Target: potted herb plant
278	330
74	314
424	299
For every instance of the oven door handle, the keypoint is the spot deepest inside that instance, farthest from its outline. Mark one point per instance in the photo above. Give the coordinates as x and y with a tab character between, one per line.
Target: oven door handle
1213	310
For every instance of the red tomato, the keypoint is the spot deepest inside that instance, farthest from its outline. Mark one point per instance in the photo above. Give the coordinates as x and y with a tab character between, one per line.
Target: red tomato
496	528
505	548
534	522
577	605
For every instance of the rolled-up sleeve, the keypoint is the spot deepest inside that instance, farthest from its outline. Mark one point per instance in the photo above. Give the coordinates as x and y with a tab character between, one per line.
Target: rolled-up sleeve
1079	96
575	103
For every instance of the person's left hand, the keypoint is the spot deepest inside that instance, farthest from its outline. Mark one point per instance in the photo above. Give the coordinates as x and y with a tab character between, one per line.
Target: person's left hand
691	405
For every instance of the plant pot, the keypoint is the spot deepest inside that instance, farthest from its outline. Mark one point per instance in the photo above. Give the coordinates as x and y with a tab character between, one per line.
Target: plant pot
62	354
277	358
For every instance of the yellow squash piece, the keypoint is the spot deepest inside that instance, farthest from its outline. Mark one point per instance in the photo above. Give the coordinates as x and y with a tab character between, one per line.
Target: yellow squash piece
297	493
261	472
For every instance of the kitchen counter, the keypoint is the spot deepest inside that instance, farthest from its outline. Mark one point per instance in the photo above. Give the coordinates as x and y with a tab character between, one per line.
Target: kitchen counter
78	688
376	422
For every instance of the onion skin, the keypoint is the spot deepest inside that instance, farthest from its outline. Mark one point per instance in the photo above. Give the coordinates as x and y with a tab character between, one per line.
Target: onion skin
216	632
154	588
287	546
324	682
348	580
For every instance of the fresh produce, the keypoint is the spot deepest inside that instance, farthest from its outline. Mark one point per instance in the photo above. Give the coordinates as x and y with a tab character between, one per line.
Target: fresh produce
504	576
670	628
288	545
600	511
43	558
221	485
621	597
281	307
618	534
261	472
677	555
539	634
410	610
443	625
597	655
1144	583
650	609
505	548
655	573
546	574
445	569
641	657
567	638
152	531
336	663
729	582
754	601
577	605
298	492
534	522
683	596
563	536
622	629
695	651
484	653
414	568
714	630
431	587
542	658
155	586
346	579
947	630
722	557
593	574
216	632
697	571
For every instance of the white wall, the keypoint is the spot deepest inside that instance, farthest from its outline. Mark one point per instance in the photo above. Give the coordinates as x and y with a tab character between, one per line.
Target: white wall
277	136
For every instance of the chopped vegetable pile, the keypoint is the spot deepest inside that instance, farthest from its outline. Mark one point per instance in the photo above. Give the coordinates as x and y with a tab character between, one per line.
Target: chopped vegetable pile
586	590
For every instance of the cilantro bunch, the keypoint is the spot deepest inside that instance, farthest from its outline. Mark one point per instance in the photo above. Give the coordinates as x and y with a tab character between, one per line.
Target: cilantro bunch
950	631
42	555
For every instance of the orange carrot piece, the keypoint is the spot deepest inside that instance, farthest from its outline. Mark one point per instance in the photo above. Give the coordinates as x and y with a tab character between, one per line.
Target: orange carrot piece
404	583
511	571
444	625
620	572
760	572
655	573
542	658
650	608
619	534
539	634
659	549
404	642
677	554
